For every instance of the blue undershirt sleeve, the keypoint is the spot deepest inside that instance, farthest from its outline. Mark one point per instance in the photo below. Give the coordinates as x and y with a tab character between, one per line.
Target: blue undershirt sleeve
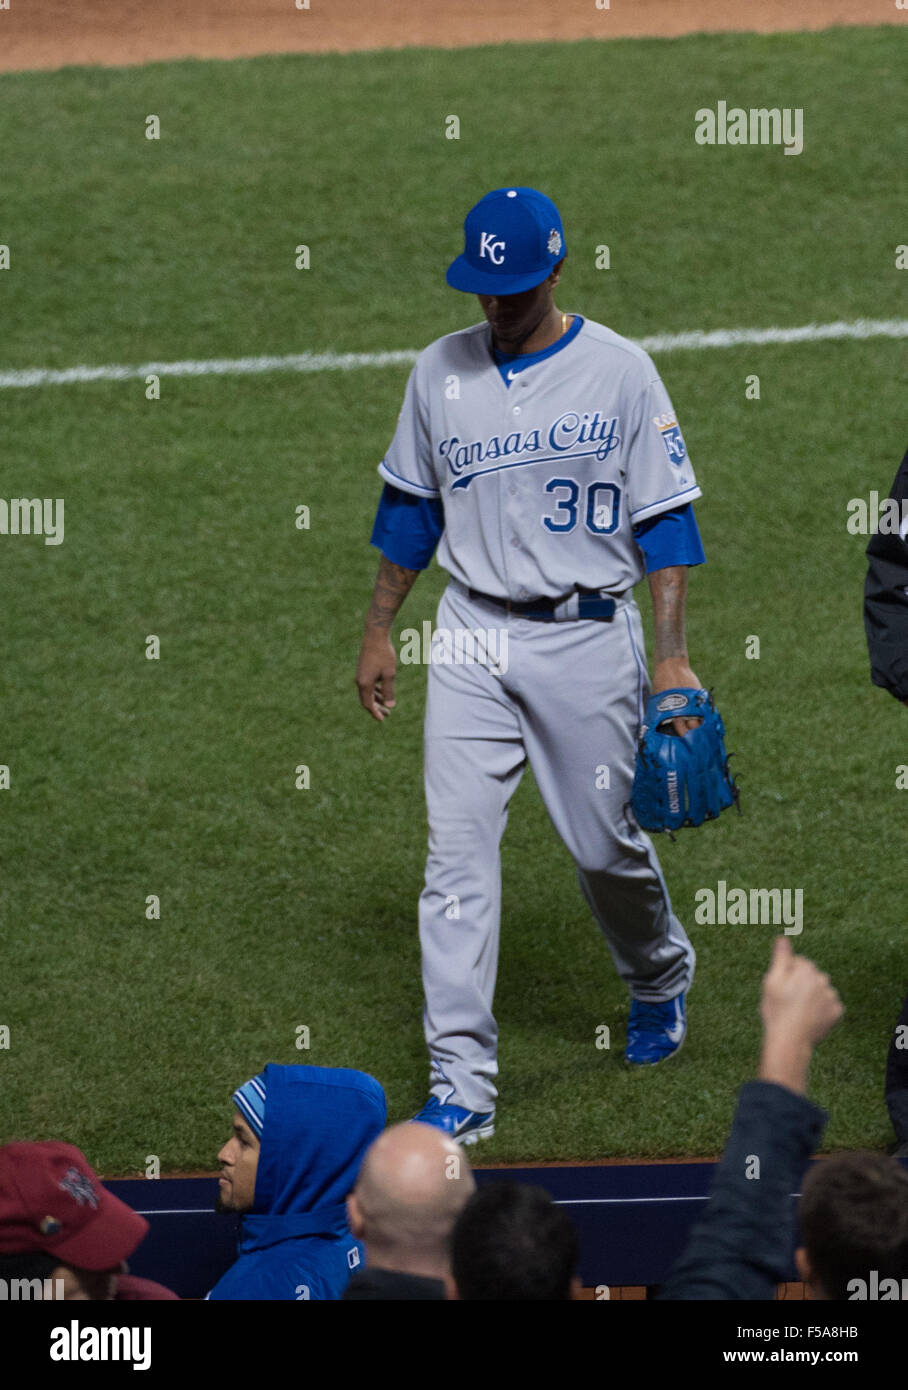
407	528
671	538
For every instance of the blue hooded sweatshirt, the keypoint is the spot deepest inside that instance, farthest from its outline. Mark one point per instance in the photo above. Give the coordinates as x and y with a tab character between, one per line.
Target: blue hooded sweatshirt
295	1243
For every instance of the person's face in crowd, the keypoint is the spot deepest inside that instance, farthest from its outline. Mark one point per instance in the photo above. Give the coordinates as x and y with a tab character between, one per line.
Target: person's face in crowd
88	1285
239	1160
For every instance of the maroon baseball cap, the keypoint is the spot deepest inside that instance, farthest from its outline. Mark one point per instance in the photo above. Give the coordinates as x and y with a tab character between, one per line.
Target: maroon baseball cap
51	1200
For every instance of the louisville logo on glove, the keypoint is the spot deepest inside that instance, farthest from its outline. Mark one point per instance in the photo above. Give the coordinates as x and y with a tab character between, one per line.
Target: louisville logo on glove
681	779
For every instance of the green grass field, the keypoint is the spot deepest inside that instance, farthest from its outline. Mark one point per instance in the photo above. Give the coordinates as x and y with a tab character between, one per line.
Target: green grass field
130	777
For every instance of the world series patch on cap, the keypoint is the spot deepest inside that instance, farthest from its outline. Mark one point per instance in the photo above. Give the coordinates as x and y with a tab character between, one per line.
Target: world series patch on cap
513	239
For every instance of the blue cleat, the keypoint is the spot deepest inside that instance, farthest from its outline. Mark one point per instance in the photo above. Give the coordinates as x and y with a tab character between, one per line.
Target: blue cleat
655	1031
463	1126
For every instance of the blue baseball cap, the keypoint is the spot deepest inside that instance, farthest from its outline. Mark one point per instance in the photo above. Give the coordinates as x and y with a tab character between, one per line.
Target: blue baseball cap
513	238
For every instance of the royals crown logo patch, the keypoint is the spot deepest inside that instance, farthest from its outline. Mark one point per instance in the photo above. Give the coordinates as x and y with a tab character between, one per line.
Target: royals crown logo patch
672	438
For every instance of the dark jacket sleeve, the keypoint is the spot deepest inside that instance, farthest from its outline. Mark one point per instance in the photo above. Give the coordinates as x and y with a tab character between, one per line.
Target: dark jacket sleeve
897	1079
742	1245
886	601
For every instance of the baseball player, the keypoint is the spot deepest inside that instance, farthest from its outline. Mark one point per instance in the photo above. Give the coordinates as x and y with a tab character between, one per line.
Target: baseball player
540	453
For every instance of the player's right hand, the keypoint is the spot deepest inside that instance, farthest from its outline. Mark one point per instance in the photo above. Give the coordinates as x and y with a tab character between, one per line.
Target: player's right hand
375	674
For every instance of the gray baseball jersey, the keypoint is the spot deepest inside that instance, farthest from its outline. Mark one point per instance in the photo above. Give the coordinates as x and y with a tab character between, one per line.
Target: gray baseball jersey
543	480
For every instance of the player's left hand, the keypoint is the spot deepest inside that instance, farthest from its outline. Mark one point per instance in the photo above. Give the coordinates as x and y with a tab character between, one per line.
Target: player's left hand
671	673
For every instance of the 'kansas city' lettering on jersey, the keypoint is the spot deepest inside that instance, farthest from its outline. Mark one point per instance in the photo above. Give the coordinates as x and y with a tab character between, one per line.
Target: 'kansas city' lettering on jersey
542	478
570	429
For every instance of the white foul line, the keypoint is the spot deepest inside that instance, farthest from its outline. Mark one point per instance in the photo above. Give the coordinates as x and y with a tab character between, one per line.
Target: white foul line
348	361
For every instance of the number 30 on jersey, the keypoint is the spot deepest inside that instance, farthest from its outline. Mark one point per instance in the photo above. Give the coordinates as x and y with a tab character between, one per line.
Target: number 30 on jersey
600	507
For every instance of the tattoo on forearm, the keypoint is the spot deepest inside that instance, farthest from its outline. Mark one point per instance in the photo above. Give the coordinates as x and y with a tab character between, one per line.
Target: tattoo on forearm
392	585
669	590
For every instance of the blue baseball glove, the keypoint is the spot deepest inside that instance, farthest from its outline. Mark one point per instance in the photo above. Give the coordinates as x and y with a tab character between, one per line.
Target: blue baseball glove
681	779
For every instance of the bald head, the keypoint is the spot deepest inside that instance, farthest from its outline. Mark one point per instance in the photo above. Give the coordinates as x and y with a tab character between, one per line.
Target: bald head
412	1186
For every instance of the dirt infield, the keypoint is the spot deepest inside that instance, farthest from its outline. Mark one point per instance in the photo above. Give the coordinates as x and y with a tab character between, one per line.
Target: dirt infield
54	33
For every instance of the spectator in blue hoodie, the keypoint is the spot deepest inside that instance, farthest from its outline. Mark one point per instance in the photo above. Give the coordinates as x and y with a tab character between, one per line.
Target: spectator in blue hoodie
299	1136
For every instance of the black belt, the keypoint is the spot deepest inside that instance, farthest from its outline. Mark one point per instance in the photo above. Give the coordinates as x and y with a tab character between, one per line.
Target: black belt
542	610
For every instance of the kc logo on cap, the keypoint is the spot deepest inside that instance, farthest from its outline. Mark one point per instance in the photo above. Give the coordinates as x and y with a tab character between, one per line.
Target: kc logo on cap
513	239
493	249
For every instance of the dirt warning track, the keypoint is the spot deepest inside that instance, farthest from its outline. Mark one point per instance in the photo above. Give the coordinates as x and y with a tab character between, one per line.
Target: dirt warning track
54	33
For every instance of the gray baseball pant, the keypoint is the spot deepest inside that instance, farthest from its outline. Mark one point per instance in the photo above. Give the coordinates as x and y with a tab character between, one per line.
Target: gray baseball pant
569	699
